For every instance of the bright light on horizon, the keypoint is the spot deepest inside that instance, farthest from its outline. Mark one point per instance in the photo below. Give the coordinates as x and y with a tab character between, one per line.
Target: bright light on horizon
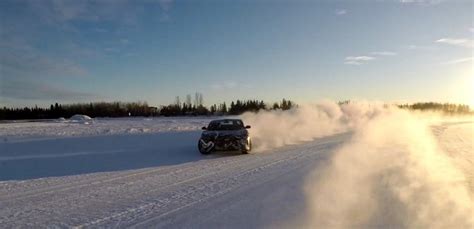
462	90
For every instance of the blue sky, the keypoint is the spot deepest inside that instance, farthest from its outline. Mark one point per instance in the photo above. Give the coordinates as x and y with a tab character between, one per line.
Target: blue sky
155	50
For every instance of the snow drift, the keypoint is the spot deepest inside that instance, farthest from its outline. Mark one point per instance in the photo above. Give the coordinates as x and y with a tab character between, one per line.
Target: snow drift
78	118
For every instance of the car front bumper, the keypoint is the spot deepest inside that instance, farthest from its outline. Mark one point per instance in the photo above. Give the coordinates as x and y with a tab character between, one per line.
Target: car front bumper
226	144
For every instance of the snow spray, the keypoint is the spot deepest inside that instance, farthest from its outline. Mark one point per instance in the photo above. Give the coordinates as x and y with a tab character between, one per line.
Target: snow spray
392	173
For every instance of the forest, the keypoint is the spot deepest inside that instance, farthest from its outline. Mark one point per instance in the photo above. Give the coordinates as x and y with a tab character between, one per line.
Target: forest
186	108
125	109
447	108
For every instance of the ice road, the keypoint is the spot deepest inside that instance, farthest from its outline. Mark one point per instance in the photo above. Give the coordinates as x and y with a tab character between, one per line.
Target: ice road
157	179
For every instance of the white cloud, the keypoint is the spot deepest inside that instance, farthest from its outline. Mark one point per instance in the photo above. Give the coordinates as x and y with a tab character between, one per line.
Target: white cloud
352	62
462	60
341	11
462	42
384	53
359	58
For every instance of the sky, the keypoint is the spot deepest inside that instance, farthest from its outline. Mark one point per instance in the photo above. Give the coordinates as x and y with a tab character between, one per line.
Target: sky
154	50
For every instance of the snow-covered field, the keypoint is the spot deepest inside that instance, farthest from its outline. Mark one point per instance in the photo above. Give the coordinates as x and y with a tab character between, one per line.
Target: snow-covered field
15	131
148	173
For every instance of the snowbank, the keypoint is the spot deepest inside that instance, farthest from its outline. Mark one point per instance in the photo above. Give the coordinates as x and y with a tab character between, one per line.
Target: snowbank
78	118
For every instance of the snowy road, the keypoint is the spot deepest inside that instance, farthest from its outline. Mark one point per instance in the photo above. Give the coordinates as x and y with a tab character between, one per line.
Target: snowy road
139	184
103	175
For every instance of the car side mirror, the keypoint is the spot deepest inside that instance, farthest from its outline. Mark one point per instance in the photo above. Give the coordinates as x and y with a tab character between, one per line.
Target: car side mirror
247	127
204	128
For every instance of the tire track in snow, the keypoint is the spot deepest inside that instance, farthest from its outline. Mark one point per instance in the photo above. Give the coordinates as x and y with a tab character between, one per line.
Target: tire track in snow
228	183
85	187
101	178
85	190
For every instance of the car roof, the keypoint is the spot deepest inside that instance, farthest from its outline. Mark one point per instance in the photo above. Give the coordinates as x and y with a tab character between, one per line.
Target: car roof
227	119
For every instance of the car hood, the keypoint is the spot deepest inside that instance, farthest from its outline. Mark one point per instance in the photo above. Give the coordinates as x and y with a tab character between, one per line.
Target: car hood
224	133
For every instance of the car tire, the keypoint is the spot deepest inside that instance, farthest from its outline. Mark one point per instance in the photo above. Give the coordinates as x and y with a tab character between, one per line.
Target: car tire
202	150
246	151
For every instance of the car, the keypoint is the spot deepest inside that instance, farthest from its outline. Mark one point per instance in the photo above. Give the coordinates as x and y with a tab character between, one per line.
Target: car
225	135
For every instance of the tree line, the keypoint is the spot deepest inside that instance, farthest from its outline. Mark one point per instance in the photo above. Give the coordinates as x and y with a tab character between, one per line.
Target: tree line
188	107
234	108
124	109
97	109
448	108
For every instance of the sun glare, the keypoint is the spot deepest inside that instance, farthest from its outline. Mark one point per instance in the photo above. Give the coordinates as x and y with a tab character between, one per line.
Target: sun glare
468	90
462	90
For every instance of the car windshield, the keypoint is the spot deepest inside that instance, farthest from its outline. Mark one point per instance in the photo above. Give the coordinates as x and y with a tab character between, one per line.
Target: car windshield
226	125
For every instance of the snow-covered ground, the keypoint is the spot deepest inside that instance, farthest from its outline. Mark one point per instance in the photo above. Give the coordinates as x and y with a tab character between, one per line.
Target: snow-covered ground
148	173
14	131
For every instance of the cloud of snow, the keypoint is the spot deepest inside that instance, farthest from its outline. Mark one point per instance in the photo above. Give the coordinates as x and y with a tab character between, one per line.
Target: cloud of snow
271	129
392	173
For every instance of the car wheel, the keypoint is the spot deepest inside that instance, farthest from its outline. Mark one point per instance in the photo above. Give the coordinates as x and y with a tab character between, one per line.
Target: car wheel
202	150
246	150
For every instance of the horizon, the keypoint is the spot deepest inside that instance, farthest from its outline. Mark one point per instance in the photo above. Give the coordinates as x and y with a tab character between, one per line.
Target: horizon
393	51
269	104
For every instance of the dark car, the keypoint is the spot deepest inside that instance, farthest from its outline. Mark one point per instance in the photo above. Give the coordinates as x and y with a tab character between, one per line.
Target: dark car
225	134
